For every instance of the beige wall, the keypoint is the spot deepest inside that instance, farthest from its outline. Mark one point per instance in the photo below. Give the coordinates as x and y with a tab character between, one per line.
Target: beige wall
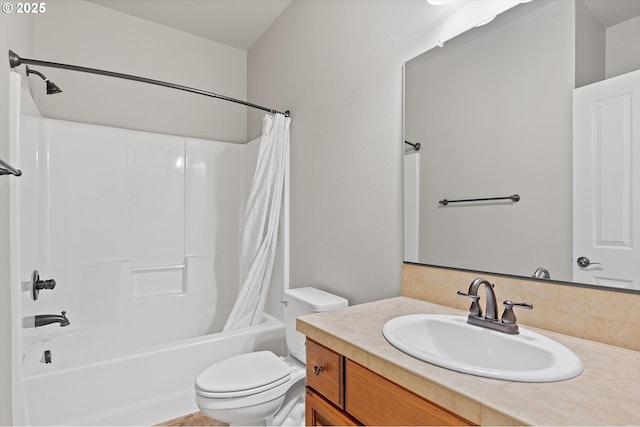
82	33
338	66
16	32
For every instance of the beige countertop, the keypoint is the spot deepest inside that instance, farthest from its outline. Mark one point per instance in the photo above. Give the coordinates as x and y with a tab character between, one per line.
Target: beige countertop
606	393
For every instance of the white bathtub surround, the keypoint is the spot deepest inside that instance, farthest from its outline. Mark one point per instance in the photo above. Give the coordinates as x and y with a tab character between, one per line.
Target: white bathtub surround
262	219
141	232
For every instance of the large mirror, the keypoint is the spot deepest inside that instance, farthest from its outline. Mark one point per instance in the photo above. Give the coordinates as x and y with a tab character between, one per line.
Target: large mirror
496	115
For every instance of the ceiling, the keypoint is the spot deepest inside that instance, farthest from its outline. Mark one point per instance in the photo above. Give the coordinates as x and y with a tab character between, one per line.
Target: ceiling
236	23
239	23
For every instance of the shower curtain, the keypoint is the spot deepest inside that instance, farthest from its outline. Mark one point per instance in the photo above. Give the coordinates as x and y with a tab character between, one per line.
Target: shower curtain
261	223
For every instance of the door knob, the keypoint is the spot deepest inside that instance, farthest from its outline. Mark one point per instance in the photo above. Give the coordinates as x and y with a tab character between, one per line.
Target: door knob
583	262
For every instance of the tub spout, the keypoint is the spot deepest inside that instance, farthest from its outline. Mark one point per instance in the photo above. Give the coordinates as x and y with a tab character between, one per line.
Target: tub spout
46	319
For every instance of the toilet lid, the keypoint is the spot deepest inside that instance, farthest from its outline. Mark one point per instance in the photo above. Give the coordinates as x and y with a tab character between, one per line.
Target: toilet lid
243	375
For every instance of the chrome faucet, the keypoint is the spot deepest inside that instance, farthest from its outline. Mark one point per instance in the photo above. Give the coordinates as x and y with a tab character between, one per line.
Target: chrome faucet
46	319
506	324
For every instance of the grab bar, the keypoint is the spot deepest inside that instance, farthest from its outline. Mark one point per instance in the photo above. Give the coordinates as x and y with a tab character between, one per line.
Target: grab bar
7	169
514	198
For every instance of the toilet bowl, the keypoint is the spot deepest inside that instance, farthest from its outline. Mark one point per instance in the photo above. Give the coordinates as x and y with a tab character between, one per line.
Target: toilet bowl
248	388
261	388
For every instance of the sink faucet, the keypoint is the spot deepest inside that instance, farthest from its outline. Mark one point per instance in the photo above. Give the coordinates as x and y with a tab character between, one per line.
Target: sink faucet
45	319
506	324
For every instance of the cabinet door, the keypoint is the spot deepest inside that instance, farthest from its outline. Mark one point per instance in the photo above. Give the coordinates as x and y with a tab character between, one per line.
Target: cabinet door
320	412
374	400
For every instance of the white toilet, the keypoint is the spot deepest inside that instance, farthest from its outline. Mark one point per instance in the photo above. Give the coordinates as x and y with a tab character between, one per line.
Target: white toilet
261	388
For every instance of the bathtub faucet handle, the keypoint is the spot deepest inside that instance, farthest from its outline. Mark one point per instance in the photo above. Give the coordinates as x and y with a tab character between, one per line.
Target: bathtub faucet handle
37	285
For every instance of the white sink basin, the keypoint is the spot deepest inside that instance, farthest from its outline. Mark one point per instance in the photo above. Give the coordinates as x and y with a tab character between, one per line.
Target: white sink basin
450	342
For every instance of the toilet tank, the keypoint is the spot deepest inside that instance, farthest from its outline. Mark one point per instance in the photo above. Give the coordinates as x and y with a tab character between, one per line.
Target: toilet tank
301	301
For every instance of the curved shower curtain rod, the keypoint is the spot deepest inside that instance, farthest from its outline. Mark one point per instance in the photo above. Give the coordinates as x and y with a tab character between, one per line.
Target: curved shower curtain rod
15	60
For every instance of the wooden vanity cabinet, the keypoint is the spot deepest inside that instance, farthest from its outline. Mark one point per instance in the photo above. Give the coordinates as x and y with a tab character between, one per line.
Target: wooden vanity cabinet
342	392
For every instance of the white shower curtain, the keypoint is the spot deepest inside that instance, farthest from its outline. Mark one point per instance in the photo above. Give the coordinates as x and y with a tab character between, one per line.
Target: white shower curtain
261	223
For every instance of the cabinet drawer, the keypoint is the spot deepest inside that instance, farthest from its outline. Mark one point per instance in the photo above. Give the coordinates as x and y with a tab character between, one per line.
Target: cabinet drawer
374	400
319	412
325	372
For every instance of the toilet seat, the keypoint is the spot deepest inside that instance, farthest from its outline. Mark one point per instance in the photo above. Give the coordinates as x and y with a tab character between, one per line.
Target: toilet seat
243	375
242	393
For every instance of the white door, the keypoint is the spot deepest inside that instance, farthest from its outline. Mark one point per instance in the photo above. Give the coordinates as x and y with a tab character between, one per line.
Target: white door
606	182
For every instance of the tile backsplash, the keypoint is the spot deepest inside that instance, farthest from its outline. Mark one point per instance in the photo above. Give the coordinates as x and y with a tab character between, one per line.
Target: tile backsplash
608	317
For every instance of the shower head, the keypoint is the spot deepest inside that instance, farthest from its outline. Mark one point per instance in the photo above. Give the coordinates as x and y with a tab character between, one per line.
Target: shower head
51	86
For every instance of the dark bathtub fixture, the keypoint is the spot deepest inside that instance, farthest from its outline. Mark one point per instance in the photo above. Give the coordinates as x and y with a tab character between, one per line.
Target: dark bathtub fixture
15	60
52	88
46	357
46	319
37	285
416	146
7	169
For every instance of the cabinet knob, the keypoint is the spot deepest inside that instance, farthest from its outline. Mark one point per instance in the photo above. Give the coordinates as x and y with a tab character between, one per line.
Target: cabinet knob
317	370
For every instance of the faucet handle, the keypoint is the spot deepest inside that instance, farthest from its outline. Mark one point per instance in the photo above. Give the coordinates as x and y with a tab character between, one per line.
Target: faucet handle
475	309
508	316
37	285
475	298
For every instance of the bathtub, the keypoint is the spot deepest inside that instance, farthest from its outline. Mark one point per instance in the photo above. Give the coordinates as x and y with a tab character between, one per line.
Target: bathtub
149	387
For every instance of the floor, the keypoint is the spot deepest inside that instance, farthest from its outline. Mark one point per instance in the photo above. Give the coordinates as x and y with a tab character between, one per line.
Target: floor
195	419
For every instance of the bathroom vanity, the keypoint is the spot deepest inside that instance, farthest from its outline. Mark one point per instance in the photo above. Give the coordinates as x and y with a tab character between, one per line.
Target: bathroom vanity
355	377
343	392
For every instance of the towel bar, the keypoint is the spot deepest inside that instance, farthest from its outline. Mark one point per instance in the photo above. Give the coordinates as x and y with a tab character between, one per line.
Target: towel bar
514	198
